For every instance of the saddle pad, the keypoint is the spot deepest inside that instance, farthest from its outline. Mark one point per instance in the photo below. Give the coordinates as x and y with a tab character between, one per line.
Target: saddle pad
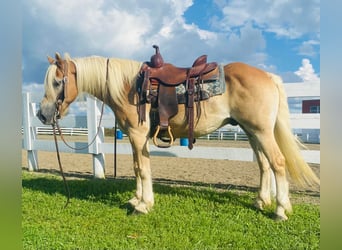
212	86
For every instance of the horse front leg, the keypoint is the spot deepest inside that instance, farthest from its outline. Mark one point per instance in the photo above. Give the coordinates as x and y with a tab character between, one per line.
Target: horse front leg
143	200
138	193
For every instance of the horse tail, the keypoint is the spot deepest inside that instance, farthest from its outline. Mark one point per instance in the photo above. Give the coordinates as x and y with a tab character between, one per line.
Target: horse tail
289	145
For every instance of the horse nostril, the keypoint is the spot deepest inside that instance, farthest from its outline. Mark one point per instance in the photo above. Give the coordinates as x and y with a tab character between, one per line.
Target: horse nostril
41	117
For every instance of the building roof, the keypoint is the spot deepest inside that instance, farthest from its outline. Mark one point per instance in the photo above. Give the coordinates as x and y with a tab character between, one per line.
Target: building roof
303	89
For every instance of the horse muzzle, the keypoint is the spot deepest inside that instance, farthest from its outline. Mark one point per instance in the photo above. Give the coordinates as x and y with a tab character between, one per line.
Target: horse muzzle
47	114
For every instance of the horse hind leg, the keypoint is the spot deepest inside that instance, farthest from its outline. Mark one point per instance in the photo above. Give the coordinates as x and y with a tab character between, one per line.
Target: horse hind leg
276	160
266	190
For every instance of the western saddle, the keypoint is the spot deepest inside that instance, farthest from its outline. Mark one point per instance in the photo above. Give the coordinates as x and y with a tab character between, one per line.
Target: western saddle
158	87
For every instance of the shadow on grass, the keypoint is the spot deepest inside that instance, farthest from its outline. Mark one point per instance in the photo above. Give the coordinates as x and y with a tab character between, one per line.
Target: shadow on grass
85	187
116	191
82	186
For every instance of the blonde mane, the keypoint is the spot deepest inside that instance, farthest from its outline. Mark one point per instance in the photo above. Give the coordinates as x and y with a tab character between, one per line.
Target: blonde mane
92	77
49	78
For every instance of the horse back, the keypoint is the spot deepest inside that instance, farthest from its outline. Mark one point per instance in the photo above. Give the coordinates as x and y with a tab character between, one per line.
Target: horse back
246	75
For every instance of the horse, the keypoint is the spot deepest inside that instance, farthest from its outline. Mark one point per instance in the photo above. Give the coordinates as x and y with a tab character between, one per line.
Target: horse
254	99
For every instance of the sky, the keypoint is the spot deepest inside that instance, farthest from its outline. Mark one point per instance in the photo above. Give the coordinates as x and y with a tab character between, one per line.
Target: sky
281	37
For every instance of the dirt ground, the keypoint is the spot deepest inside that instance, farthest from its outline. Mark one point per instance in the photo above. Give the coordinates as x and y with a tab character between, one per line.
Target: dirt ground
222	174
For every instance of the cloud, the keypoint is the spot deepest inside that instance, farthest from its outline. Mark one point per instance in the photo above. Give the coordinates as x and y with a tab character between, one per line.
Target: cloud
247	41
306	72
307	48
127	29
33	88
290	18
121	28
86	26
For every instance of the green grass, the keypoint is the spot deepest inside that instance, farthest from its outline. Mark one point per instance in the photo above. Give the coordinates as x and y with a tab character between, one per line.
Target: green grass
183	218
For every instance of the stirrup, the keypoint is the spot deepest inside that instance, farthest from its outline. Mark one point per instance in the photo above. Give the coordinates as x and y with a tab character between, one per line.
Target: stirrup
170	135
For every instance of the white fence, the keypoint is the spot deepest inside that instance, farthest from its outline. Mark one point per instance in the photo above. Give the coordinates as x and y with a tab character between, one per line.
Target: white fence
32	126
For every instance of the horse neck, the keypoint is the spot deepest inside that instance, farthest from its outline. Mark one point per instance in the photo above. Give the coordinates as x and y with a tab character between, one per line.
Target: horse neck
91	75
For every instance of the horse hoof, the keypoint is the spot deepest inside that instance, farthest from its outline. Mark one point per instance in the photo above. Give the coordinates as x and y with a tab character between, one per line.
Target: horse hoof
279	218
141	208
259	205
134	202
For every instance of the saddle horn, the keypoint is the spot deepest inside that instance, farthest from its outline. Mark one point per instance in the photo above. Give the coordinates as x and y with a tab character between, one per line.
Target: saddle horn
157	60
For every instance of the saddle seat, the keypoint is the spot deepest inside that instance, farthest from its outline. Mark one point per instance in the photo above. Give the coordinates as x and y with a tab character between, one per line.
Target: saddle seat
159	88
171	75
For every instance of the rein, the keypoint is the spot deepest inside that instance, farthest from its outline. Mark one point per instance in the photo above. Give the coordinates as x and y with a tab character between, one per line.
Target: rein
55	125
90	143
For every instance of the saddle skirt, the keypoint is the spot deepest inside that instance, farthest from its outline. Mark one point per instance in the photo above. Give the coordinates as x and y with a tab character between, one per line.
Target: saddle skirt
214	85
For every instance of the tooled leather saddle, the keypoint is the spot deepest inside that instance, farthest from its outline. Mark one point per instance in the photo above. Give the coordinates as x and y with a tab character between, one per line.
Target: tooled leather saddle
158	86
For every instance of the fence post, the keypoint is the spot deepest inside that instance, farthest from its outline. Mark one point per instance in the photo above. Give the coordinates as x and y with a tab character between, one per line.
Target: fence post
93	113
30	133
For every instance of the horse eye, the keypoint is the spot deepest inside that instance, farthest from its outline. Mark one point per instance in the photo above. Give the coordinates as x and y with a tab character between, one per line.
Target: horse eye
57	83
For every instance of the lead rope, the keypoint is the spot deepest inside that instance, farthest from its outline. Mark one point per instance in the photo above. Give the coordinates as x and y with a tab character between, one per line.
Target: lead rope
56	125
66	186
92	141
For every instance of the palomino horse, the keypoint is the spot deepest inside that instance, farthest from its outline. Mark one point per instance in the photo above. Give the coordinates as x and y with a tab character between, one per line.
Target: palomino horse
254	99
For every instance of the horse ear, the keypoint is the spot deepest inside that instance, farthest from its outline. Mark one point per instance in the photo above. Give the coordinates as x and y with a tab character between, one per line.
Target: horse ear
58	56
59	60
51	60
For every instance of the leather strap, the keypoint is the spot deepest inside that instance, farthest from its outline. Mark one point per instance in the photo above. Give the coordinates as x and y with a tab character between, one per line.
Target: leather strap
190	113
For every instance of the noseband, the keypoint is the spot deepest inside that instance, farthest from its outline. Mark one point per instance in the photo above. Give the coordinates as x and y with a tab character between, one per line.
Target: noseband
60	97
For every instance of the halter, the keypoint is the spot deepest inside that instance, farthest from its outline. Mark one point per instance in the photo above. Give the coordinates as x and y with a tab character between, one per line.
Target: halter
61	96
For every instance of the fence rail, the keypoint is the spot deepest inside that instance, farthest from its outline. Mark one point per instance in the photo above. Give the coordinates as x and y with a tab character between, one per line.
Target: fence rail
87	125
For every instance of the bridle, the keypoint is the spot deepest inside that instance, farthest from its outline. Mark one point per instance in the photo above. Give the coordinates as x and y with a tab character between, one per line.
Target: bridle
59	100
58	103
61	96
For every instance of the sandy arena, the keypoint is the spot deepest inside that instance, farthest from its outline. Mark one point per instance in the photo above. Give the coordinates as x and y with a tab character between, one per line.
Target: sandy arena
223	174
